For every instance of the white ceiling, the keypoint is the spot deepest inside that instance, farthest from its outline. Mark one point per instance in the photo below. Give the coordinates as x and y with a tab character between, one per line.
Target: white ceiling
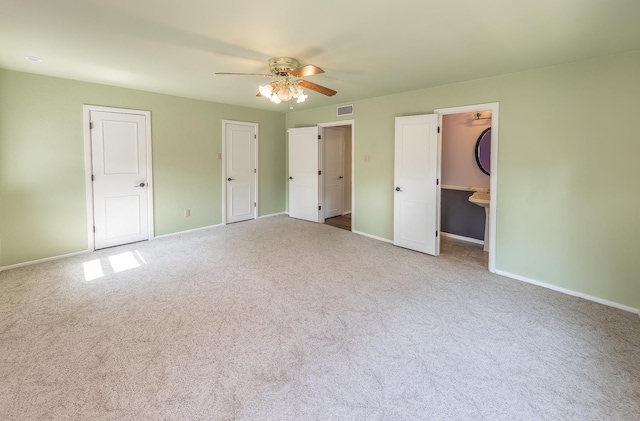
367	48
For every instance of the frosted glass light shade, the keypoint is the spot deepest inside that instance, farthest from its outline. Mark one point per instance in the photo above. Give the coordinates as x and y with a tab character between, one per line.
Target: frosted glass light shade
265	90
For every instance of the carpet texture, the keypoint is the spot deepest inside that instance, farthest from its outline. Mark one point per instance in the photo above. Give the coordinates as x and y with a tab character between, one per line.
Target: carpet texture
280	319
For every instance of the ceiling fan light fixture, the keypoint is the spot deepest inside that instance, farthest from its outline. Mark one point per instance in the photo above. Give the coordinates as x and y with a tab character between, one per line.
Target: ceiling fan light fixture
265	90
285	94
289	84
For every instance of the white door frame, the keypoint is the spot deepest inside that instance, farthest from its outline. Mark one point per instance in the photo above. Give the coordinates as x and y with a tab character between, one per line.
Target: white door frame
340	123
493	178
88	166
224	167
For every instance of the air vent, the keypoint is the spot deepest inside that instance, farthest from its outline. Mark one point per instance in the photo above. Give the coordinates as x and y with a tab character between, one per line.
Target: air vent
345	110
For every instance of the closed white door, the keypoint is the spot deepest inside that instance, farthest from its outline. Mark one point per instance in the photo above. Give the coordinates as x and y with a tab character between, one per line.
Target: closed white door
417	188
241	169
333	171
303	174
120	184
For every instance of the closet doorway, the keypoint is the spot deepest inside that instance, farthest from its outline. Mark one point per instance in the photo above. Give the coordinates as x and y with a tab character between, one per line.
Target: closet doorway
321	178
337	173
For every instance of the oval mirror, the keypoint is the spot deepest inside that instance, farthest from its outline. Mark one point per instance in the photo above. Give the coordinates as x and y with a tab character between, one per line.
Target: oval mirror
483	151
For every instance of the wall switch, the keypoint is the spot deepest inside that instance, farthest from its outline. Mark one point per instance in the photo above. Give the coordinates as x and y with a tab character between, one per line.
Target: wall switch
187	212
219	155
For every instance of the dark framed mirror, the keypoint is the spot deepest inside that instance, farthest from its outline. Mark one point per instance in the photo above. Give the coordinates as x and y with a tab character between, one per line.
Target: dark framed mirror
483	151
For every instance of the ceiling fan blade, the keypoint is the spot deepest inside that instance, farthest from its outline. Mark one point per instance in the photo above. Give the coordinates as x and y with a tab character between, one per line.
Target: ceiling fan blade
308	70
318	88
245	74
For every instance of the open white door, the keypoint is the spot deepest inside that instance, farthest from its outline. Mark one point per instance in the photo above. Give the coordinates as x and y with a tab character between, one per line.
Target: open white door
303	174
416	207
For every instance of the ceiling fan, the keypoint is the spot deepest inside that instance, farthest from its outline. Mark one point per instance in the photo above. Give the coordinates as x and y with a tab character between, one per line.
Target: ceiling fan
288	72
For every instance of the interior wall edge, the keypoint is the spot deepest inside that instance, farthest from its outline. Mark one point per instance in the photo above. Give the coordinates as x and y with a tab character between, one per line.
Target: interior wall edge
43	181
571	292
46	259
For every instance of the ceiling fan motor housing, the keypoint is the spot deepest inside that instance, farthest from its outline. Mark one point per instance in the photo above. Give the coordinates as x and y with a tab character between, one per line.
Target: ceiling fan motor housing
281	66
290	83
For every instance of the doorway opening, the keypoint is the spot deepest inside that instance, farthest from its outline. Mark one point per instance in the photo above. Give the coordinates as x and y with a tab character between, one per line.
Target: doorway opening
336	181
467	226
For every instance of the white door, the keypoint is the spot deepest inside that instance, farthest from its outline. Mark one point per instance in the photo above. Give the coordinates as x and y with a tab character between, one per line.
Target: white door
303	174
120	184
240	150
416	207
333	171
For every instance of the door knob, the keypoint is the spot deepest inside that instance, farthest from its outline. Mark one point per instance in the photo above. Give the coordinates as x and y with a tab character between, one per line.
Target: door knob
290	178
230	179
140	185
340	178
398	189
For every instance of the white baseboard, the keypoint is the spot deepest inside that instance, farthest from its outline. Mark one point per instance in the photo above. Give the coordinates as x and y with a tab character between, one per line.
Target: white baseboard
272	214
569	292
34	262
461	238
47	259
372	236
213	226
171	234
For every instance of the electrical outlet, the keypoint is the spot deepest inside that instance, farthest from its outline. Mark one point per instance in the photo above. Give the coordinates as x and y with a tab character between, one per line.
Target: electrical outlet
219	155
187	212
367	158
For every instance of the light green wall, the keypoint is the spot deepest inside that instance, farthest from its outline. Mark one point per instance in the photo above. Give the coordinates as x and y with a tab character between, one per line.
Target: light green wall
569	169
42	186
568	166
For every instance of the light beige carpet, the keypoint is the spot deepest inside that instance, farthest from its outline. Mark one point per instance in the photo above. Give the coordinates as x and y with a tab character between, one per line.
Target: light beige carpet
280	319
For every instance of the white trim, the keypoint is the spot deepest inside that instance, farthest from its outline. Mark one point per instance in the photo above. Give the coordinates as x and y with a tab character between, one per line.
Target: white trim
494	107
463	188
88	164
171	234
461	238
46	259
375	237
272	215
438	187
224	167
569	292
321	204
351	123
337	123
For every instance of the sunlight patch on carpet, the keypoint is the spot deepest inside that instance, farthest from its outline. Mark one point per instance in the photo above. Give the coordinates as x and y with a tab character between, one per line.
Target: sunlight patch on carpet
121	262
